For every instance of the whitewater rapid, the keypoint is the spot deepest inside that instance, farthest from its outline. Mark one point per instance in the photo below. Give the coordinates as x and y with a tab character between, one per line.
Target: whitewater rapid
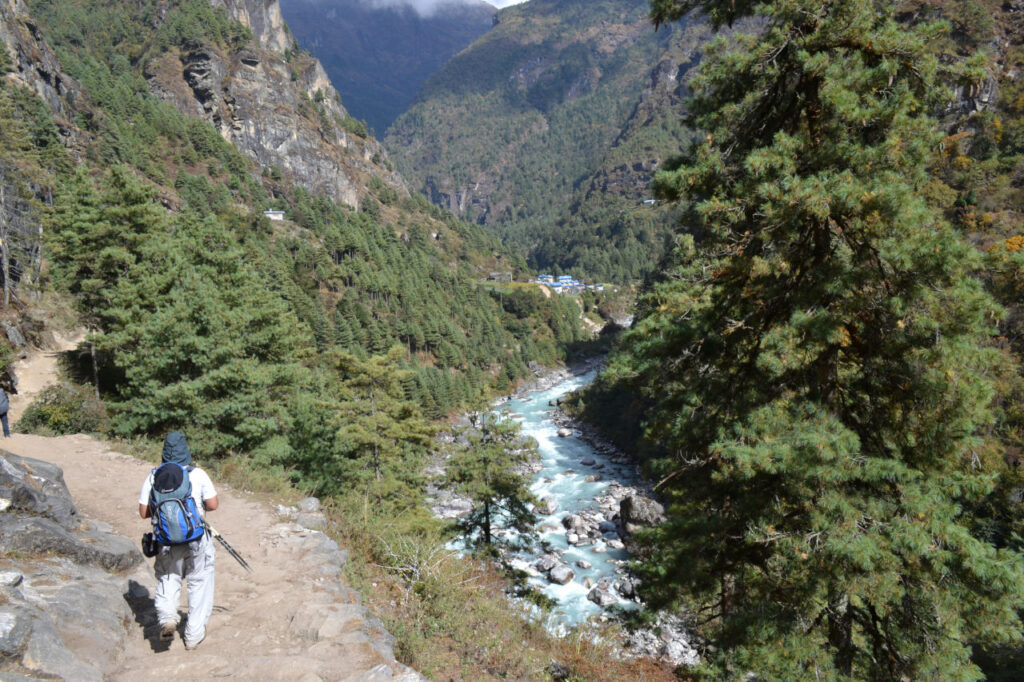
575	487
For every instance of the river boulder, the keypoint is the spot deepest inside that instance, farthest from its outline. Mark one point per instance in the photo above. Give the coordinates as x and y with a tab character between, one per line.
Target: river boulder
636	512
561	574
548	505
602	597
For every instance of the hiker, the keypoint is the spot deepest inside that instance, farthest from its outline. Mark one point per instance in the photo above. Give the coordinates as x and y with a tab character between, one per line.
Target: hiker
191	559
5	406
8	384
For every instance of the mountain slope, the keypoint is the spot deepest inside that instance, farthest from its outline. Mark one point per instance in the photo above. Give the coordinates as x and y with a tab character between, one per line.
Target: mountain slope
158	93
378	56
561	100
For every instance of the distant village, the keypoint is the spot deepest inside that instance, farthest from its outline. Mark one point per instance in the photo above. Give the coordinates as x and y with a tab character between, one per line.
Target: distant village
566	284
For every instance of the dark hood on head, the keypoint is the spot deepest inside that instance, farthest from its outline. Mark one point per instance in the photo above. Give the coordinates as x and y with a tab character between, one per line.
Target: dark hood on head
176	449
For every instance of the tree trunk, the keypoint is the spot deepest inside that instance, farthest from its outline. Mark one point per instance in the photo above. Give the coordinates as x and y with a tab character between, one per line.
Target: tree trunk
4	246
95	368
487	522
840	633
376	454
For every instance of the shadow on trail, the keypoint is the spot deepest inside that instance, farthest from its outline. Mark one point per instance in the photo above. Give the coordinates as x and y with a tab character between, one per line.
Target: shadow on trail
142	605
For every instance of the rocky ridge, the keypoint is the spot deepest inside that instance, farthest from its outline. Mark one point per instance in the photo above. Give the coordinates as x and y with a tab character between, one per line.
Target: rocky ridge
36	66
276	105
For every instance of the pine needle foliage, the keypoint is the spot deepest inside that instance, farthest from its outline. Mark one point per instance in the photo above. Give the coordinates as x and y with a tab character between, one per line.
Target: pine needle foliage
382	434
815	354
489	470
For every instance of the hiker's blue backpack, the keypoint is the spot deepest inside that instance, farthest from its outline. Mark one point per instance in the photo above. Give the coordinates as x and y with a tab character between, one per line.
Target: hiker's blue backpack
176	519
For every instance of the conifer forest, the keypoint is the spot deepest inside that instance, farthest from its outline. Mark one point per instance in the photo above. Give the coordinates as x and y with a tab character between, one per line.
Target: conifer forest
807	223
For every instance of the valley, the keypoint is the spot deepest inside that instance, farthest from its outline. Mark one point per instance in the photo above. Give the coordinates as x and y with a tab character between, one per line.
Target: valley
324	239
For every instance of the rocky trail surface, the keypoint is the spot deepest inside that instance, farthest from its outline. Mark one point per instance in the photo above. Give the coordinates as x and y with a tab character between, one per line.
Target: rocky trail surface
291	618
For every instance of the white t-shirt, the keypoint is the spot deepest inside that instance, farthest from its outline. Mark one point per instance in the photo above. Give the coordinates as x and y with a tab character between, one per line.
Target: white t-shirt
202	488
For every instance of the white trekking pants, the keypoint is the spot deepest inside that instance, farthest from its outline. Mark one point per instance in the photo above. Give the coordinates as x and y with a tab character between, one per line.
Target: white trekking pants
194	562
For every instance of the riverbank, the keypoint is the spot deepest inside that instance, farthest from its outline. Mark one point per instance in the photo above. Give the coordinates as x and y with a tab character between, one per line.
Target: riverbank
591	500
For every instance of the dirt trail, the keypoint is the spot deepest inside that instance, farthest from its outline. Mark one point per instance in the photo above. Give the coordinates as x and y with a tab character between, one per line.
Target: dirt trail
290	619
38	371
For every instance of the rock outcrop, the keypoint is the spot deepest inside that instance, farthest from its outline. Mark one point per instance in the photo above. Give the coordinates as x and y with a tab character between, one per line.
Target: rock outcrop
61	608
636	512
276	105
35	65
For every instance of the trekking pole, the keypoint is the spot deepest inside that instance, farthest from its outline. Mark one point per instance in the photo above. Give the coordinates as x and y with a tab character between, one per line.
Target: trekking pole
231	550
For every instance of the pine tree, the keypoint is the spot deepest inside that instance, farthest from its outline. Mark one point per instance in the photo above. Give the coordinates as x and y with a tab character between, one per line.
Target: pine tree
203	344
380	430
815	354
97	238
488	470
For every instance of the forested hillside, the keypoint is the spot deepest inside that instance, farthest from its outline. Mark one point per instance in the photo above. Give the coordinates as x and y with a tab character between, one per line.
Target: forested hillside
205	315
378	56
140	144
548	129
824	374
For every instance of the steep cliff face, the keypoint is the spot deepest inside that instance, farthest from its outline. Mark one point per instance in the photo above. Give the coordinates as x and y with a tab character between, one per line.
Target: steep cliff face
276	105
263	18
35	65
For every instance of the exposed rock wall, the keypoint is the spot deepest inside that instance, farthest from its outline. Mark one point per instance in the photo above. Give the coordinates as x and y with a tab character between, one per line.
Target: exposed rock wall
36	66
263	17
279	109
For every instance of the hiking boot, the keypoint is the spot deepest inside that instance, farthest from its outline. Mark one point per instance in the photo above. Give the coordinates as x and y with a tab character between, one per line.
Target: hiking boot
189	646
167	631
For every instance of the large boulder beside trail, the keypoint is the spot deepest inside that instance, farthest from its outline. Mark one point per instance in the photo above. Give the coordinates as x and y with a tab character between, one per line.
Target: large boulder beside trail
41	536
37	488
39	519
61	621
62	613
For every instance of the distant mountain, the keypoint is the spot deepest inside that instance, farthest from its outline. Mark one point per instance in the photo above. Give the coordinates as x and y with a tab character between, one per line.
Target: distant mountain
549	127
379	55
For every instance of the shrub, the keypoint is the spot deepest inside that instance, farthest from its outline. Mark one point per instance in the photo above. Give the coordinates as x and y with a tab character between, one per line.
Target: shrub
64	408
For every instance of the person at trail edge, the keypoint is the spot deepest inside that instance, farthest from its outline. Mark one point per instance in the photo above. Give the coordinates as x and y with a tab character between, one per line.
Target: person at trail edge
5	405
193	561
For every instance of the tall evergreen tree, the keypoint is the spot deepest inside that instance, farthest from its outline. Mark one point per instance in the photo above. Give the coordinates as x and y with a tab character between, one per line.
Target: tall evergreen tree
97	238
816	360
381	431
488	470
203	344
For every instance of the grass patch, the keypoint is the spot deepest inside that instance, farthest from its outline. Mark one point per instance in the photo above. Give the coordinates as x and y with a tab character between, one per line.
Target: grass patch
450	614
249	476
